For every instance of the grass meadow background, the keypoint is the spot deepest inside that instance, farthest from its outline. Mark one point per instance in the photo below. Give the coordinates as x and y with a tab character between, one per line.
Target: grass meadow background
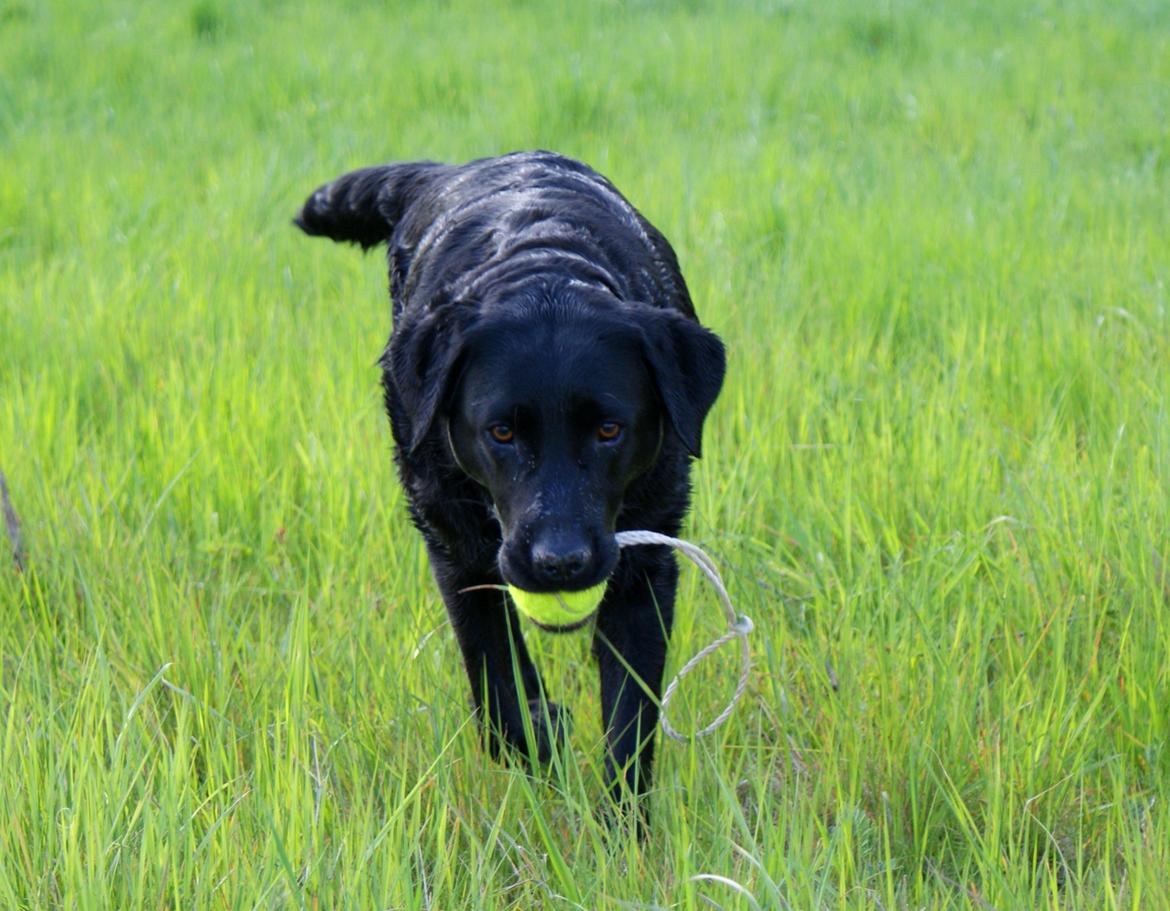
935	239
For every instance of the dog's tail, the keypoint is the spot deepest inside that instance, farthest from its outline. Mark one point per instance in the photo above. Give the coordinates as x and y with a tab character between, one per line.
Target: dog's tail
362	207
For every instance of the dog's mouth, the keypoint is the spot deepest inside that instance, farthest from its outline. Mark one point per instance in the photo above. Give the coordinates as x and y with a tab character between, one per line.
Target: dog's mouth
565	628
545	627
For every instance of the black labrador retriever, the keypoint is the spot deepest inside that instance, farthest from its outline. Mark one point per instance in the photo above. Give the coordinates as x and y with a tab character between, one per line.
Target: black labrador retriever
547	381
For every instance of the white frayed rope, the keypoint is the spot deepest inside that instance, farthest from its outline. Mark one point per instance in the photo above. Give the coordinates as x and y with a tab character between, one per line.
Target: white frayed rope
739	626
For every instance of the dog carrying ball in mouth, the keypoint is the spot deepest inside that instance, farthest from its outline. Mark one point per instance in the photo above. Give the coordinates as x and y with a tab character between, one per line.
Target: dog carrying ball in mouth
547	381
559	610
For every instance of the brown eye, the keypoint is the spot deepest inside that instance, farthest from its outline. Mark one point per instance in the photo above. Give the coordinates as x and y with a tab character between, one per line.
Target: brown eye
502	433
609	431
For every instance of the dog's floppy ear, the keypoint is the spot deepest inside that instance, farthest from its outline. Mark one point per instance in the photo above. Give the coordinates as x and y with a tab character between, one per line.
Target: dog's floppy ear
422	362
363	206
687	363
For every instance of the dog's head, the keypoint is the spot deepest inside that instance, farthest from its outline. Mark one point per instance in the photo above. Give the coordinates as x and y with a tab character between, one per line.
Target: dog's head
554	396
556	409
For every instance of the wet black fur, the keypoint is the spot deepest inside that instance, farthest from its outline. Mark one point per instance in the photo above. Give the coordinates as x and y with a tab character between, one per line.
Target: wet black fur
540	241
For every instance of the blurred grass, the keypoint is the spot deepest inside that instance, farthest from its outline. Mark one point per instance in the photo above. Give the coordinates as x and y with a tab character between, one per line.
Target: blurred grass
934	240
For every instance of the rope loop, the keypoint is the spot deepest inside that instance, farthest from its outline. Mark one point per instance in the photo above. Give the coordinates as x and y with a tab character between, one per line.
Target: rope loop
739	627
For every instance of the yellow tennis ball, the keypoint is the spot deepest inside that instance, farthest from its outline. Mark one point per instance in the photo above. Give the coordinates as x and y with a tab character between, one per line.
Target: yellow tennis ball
558	608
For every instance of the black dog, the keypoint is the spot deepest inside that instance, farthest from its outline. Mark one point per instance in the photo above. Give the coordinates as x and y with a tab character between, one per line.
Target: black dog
547	381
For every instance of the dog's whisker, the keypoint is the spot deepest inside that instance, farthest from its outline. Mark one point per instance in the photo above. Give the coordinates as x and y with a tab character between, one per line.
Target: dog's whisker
486	586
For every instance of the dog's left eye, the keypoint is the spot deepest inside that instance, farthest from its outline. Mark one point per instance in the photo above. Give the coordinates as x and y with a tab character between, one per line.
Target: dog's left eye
502	433
608	431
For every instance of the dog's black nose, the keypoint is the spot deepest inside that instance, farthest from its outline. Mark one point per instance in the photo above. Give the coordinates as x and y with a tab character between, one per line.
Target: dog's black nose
560	562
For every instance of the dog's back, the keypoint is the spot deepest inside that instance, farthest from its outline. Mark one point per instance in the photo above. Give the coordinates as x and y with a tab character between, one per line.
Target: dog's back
454	231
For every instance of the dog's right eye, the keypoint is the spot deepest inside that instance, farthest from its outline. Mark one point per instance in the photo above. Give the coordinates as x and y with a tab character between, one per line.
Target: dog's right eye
502	433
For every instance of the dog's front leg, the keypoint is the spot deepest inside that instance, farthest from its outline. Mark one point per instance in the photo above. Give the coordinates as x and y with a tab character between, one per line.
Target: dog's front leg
505	685
633	628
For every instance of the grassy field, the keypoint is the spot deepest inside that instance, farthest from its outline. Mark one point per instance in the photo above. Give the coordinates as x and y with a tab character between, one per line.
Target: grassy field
935	241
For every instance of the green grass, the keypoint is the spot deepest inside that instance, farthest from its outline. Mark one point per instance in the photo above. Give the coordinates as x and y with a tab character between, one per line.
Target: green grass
935	241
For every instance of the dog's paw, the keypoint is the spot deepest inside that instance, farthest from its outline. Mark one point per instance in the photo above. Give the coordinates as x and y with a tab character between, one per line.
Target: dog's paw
550	726
624	815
